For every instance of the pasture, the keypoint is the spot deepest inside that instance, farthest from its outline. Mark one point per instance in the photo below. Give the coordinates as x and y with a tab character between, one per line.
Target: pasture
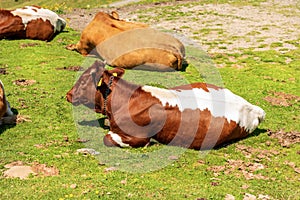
251	48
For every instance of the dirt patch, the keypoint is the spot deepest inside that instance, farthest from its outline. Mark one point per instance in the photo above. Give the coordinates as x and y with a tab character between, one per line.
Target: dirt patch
72	68
215	27
256	154
24	82
20	170
282	99
25	45
247	169
293	166
43	170
285	139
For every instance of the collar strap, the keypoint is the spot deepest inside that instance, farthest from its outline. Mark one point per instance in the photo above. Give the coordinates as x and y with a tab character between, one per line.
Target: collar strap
107	91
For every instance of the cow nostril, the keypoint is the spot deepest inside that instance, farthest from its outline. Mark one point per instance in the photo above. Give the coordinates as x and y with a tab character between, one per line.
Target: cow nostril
69	98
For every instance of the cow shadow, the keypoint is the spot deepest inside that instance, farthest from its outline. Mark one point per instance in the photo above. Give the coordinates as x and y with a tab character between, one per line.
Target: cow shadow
152	67
159	68
255	133
4	126
101	122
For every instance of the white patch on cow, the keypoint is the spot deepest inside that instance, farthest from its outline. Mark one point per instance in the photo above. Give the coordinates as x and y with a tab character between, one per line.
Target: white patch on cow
29	13
115	137
221	103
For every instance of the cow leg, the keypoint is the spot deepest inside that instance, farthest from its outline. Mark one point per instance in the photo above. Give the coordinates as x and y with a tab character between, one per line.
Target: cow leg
113	139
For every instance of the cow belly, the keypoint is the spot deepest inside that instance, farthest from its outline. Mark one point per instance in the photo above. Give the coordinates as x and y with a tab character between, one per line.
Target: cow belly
153	58
197	129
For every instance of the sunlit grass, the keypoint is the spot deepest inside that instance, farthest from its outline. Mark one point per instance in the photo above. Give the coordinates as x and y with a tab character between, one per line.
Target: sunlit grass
51	135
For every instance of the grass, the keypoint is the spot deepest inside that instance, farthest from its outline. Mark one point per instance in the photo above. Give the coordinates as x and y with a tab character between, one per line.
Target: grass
172	173
58	6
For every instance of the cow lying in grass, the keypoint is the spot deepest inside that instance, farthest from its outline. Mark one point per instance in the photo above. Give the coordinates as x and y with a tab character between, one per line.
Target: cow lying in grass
6	115
128	45
197	116
30	22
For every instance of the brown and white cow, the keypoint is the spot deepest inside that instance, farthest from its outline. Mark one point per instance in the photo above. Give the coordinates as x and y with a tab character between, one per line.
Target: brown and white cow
197	116
5	110
30	22
128	45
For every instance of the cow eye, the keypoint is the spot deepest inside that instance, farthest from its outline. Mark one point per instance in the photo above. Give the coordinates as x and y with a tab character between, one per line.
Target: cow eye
83	82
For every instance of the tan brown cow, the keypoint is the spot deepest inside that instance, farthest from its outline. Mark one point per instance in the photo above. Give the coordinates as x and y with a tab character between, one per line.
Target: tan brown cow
6	115
128	45
197	116
30	22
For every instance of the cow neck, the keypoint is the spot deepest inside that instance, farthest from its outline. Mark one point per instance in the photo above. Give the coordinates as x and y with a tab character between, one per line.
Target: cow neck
107	93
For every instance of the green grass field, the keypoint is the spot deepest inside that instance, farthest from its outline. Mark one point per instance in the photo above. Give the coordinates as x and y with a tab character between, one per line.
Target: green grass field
258	165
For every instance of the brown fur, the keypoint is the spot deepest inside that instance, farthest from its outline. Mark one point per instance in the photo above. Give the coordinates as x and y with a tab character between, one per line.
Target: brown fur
143	46
45	30
11	26
102	27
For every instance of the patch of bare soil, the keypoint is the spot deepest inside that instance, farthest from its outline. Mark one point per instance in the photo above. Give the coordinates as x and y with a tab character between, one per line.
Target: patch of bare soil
282	99
20	170
25	45
217	28
246	169
256	154
285	139
24	82
293	166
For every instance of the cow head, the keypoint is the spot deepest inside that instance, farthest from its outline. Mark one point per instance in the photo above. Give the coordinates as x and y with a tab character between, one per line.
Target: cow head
85	89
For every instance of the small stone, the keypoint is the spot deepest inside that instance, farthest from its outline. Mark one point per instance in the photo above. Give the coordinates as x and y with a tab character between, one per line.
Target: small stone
87	151
173	157
229	197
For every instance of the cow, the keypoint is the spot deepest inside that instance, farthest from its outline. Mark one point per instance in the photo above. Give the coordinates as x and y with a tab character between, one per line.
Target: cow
6	114
197	116
128	45
30	22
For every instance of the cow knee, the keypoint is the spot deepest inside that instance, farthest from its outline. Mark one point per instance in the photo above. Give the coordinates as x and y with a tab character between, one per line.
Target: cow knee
108	141
113	139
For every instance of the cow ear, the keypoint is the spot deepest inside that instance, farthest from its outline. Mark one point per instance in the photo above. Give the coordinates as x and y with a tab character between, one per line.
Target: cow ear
118	72
98	64
115	15
95	79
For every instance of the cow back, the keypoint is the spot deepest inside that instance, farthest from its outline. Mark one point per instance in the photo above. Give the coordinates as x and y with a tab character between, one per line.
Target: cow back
142	46
31	22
